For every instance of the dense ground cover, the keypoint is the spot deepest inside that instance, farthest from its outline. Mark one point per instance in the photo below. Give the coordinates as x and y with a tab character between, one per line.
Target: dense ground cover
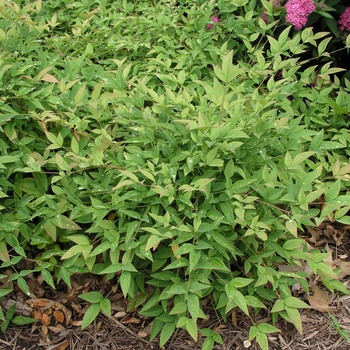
178	148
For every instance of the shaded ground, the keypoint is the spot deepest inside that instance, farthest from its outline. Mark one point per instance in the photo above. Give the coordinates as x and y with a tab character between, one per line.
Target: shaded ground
326	325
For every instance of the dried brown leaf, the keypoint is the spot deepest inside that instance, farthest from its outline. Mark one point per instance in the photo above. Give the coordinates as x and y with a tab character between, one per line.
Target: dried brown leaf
142	334
59	316
62	346
131	320
320	300
49	78
56	329
75	323
344	269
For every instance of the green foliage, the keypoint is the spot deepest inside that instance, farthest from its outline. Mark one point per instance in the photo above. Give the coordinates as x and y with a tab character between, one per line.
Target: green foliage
344	333
137	143
10	317
98	303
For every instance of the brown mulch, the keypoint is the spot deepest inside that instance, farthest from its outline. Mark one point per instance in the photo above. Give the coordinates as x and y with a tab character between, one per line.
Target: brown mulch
63	311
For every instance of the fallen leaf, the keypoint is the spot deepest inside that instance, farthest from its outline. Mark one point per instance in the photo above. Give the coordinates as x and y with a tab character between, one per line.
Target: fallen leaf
75	323
338	235
49	78
62	346
234	317
142	334
320	300
59	316
120	314
131	320
315	234
344	267
44	329
219	327
56	329
40	303
45	319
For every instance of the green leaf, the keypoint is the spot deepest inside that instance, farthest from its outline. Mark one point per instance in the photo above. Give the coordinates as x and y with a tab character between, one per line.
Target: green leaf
79	95
4	291
179	308
153	241
296	303
48	278
22	320
262	341
166	332
279	306
254	302
65	223
23	285
106	307
240	282
217	264
64	274
92	297
90	315
75	250
333	191
192	329
208	344
239	3
294	316
292	227
292	244
125	282
267	328
240	301
157	325
253	332
193	305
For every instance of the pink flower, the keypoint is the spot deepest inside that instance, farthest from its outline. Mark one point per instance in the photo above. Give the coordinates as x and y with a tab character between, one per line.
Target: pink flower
298	12
214	19
264	17
344	21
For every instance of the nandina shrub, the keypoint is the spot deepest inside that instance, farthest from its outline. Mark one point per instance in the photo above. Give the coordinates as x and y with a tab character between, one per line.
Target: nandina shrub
182	160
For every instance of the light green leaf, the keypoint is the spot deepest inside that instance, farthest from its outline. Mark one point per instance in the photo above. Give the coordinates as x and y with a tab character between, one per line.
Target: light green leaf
262	341
92	297
22	320
294	316
179	308
90	315
296	303
105	305
166	332
240	282
192	329
193	305
267	328
48	278
125	282
76	249
292	244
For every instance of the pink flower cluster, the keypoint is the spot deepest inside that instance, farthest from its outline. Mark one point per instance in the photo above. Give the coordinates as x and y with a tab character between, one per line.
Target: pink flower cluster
214	19
298	12
264	17
344	21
